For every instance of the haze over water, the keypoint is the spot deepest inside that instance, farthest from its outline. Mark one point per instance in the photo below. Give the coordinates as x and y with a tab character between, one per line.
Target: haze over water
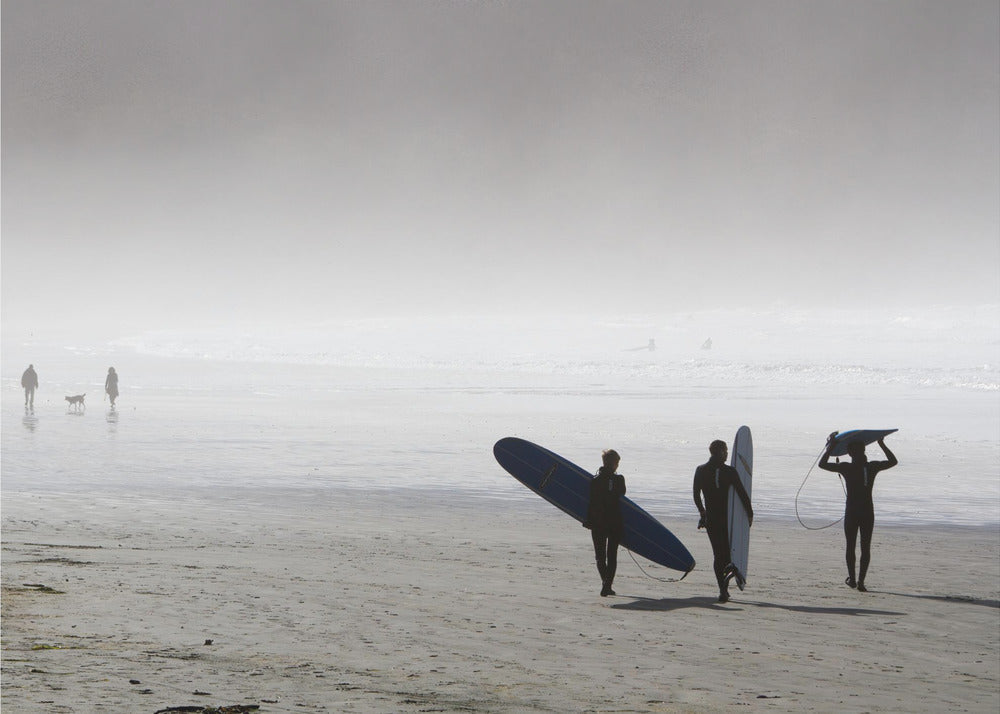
387	405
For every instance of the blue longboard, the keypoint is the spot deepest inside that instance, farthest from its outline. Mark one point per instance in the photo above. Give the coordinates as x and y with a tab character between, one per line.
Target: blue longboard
866	436
567	486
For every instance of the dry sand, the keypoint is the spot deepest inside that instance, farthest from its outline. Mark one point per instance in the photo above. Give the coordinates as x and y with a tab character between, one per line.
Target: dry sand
414	603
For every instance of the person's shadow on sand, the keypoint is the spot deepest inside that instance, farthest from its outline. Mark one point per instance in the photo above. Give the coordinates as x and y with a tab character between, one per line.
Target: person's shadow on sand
669	604
955	599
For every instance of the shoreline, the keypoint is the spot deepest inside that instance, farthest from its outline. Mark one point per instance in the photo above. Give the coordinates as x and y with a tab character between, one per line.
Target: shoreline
675	514
386	602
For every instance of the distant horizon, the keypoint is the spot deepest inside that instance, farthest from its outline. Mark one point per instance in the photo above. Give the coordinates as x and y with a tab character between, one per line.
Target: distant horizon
19	330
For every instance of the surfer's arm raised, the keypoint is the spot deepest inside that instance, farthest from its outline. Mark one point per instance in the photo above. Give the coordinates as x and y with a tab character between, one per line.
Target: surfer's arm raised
824	462
891	456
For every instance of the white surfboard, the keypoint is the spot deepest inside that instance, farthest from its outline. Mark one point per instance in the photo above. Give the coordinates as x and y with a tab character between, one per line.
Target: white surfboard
741	459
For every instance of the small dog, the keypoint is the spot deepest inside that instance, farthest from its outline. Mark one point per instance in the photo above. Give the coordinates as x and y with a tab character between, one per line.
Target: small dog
77	401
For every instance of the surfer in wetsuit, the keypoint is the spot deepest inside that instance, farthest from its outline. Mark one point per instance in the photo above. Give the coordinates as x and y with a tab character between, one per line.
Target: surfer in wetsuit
859	512
604	518
714	478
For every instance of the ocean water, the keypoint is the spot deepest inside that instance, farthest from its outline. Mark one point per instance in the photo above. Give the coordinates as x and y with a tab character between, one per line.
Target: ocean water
390	404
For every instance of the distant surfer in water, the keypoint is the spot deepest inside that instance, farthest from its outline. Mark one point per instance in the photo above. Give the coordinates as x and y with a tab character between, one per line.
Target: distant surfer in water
714	478
604	518
859	513
111	385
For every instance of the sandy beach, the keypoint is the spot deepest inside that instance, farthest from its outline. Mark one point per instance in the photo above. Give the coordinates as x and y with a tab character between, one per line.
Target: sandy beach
413	602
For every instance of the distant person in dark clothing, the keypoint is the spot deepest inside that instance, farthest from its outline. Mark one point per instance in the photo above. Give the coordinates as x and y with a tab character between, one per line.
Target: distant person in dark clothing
29	380
111	385
604	518
714	478
859	512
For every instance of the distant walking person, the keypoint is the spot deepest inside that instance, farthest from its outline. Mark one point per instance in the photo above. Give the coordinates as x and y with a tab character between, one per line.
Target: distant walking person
29	380
604	518
111	385
714	478
859	512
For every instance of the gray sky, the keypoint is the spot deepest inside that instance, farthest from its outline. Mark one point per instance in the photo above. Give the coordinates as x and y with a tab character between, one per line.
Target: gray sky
205	161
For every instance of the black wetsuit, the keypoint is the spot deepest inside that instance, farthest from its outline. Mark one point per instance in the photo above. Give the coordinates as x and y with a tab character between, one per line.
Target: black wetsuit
714	479
604	518
859	513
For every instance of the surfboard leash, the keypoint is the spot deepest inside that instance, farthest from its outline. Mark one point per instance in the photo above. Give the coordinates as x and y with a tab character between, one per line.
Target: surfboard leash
653	577
808	474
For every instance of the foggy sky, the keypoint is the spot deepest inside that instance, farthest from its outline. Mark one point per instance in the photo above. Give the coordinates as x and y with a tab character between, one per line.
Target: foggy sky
205	162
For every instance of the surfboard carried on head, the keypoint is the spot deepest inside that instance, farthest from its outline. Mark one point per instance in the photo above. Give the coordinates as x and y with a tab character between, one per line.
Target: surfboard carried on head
567	487
838	443
741	459
844	439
